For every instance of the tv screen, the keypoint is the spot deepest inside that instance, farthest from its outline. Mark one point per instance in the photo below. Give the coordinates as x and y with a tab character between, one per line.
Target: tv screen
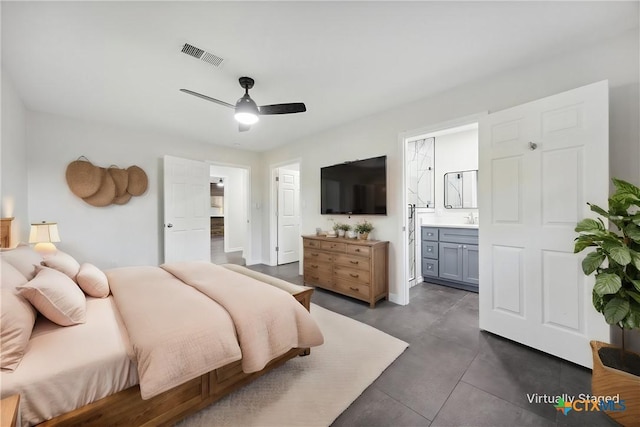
355	188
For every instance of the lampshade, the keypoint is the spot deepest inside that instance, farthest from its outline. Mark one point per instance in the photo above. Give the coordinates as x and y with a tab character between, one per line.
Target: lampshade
43	235
247	111
44	232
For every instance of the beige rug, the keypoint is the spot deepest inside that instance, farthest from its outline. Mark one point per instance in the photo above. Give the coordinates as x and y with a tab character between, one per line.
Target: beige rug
311	390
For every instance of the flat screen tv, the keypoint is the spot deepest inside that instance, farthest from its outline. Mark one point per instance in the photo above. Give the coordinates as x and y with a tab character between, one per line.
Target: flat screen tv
355	188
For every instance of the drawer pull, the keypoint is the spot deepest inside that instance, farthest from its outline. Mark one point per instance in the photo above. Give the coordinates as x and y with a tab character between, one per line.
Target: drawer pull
315	277
357	250
314	254
314	265
353	275
354	289
354	262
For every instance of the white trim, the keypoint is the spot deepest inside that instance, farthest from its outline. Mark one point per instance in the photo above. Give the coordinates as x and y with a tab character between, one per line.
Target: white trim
402	297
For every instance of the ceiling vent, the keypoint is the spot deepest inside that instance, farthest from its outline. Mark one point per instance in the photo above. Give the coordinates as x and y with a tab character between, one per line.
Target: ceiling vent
202	55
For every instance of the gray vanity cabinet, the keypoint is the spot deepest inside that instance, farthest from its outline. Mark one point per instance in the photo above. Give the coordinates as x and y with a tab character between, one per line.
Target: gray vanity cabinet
450	256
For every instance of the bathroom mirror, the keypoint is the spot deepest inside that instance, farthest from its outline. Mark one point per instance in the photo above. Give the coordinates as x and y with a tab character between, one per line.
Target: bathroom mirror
461	190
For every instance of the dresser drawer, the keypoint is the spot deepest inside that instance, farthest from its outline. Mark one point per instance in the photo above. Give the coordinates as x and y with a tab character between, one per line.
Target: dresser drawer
429	233
353	288
334	246
312	243
430	249
358	250
352	261
313	255
314	277
321	267
351	274
429	267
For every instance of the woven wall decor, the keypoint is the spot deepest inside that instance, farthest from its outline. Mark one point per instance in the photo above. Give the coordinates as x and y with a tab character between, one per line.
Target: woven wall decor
101	187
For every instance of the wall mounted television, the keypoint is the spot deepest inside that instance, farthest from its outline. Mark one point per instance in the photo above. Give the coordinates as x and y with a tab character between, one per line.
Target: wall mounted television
354	188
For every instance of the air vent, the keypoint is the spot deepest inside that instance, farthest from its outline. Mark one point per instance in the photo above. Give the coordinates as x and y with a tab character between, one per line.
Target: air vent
202	55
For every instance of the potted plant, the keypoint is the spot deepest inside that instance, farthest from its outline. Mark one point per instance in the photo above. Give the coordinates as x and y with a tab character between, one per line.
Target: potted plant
337	227
616	293
344	228
363	229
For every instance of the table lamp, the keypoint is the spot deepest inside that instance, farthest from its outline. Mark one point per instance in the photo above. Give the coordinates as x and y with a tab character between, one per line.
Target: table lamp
43	235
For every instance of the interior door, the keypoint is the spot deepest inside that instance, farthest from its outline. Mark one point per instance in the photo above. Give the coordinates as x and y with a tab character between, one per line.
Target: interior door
187	235
540	163
288	216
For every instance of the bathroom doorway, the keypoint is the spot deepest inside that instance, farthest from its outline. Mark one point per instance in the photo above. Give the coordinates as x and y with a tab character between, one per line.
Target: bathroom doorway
429	154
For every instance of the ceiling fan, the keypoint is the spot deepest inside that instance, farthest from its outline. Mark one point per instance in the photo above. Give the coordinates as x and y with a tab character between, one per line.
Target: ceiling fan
247	112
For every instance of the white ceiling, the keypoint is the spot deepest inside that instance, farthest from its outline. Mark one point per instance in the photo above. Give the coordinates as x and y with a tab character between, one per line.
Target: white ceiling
120	62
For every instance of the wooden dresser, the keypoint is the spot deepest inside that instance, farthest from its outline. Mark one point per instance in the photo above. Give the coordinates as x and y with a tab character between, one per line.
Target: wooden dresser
5	232
356	268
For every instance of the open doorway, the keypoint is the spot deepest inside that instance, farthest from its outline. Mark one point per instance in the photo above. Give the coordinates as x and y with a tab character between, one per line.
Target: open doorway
432	155
285	221
229	214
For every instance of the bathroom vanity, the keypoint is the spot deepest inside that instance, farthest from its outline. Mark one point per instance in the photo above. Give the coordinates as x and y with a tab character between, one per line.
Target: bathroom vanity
450	255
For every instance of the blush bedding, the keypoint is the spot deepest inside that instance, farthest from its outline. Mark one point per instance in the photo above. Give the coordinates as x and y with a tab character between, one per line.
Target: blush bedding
68	367
160	327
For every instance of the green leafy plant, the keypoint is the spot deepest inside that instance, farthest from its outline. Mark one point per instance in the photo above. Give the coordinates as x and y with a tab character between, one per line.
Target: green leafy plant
336	226
616	258
363	227
345	227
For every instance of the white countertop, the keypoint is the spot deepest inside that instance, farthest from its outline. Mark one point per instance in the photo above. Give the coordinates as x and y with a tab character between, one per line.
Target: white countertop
443	225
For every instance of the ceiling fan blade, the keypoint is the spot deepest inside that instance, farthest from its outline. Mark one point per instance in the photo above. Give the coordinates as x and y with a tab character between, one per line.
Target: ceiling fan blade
208	98
294	107
243	127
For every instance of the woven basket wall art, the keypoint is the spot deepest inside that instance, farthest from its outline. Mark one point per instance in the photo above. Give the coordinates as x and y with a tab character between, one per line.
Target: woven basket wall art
101	187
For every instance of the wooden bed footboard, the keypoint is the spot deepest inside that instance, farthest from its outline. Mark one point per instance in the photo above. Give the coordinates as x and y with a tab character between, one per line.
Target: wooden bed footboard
126	408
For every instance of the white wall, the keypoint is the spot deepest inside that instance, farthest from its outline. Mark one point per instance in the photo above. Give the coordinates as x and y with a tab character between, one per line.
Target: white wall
235	205
616	59
13	160
453	153
115	235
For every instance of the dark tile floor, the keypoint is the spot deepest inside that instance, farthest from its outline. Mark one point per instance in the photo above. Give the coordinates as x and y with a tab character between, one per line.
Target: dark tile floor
453	374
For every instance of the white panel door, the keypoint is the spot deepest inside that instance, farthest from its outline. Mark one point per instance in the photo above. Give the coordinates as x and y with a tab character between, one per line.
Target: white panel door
540	163
288	216
187	234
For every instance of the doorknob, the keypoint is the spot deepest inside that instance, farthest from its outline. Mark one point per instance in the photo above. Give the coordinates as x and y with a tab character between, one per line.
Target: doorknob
169	225
532	145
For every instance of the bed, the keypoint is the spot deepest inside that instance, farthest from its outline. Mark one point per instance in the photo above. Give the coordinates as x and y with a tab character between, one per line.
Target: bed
131	362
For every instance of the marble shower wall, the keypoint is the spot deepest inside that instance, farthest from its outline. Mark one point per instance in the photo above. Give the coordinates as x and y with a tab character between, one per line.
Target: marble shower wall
420	164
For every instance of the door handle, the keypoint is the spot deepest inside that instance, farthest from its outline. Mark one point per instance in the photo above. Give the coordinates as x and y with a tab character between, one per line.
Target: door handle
169	225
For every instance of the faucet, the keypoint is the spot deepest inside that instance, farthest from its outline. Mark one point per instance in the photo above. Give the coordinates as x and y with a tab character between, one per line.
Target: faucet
470	219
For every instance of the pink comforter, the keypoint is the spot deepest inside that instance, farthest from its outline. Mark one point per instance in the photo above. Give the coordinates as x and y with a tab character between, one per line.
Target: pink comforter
186	319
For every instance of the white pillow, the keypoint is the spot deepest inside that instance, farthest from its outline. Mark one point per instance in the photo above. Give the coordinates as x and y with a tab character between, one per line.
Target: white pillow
24	259
93	281
64	263
56	297
17	317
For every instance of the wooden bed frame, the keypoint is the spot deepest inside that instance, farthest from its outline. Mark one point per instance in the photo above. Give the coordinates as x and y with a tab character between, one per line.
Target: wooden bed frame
126	408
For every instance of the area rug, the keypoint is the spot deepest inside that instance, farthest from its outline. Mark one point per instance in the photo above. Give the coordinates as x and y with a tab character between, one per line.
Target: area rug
312	390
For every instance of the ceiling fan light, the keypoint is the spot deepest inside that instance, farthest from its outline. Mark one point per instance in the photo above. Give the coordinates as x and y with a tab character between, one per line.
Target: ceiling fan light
247	111
246	118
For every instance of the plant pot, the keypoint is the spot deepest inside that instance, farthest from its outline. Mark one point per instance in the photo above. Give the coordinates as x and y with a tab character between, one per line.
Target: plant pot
340	233
363	236
606	381
351	234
